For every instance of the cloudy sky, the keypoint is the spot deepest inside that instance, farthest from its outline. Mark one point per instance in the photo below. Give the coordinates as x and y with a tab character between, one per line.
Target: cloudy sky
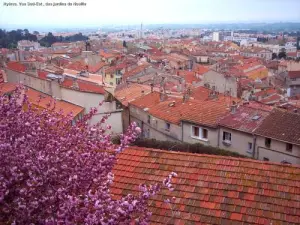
125	12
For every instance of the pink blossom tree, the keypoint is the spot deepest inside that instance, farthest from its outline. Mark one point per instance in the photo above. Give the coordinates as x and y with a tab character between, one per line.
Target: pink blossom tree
53	172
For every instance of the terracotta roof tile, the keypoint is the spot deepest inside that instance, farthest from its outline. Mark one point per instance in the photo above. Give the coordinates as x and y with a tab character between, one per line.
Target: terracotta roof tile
189	76
134	71
41	100
212	189
294	74
281	125
205	112
84	86
131	92
16	66
42	74
7	88
246	118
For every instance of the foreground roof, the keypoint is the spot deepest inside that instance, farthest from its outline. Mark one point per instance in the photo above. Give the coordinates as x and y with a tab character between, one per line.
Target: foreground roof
281	125
212	189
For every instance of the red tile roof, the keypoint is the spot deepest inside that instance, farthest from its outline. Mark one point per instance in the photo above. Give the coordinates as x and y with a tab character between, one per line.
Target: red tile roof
281	125
189	76
106	54
35	96
271	99
203	93
131	92
7	88
199	69
84	86
211	189
97	67
294	74
200	112
42	74
134	71
16	66
246	118
77	65
265	93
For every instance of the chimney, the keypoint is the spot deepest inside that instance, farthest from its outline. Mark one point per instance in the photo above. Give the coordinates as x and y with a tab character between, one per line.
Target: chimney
233	107
151	85
142	92
162	96
138	80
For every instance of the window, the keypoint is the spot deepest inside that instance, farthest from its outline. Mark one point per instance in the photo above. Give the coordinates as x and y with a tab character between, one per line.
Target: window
118	105
268	142
195	132
266	159
249	148
149	119
226	137
289	147
118	81
204	133
167	126
199	133
111	76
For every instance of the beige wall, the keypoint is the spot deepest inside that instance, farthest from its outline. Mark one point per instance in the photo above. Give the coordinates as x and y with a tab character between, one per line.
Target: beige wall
30	81
221	83
239	141
293	66
212	135
277	152
156	126
90	100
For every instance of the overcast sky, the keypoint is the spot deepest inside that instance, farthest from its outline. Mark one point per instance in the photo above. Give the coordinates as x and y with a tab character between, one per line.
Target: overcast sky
99	12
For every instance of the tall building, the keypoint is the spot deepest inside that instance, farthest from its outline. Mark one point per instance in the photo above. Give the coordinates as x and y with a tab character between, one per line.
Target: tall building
216	36
141	31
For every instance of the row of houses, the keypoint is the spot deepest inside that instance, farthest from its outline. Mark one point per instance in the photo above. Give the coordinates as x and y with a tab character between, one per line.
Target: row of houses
67	86
251	129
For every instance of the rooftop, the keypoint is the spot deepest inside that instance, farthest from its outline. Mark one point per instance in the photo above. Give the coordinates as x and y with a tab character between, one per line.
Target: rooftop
294	74
205	112
246	118
131	92
16	66
211	189
281	125
84	86
41	100
7	88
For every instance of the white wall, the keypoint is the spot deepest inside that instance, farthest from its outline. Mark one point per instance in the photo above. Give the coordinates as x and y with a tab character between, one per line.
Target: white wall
277	151
90	100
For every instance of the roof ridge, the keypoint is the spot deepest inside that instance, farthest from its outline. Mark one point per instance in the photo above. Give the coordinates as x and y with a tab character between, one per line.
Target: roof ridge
214	156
